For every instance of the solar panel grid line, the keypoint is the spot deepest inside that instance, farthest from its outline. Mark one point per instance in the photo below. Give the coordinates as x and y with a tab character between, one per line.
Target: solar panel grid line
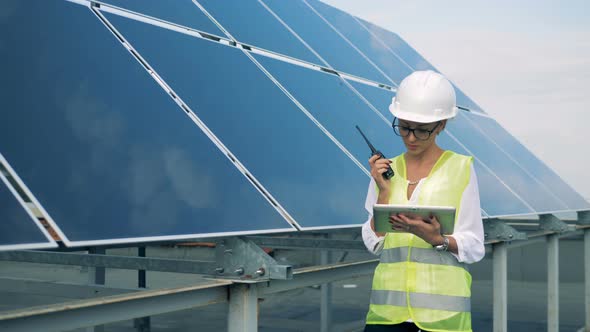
232	43
314	31
227	33
294	33
371	106
12	173
280	57
352	45
200	124
108	8
86	3
550	192
309	115
491	171
382	42
387	47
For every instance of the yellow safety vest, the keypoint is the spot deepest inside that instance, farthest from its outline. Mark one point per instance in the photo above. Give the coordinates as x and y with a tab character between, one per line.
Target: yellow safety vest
413	280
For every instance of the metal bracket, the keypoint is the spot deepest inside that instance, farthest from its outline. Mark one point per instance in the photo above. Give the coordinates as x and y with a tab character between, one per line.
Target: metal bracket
240	258
549	222
495	229
584	217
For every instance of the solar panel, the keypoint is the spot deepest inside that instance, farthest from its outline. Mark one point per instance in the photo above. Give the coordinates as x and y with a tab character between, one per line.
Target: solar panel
536	194
371	46
19	228
413	58
530	162
379	98
336	107
497	199
324	40
249	22
106	151
314	180
182	12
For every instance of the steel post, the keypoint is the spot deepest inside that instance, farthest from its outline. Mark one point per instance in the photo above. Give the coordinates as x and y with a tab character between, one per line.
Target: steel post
243	308
553	283
500	265
326	296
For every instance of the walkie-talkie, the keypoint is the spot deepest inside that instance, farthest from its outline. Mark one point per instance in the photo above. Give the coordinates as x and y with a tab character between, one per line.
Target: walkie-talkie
389	173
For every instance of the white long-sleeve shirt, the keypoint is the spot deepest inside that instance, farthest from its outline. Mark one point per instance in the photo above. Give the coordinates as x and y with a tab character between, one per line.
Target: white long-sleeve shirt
468	230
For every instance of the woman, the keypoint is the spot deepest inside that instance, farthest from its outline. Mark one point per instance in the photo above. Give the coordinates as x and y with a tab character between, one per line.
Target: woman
422	282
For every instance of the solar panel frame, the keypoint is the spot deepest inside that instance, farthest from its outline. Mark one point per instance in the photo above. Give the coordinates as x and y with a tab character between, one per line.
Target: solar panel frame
205	24
50	242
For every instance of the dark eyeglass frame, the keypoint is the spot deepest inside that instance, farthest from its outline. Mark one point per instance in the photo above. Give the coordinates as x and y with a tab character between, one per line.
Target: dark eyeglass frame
396	130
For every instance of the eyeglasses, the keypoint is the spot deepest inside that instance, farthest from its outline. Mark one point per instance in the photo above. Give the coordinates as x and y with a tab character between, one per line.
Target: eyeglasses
421	134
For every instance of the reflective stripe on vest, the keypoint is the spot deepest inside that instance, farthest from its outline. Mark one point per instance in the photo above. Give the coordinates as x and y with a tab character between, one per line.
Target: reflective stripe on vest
414	281
421	255
421	300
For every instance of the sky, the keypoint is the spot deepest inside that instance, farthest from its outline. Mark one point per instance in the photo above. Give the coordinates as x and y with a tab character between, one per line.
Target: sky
526	63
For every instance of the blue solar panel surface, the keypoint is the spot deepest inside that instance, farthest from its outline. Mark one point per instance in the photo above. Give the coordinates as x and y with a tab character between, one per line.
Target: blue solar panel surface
414	59
182	12
18	229
379	98
250	23
275	140
530	162
536	194
367	43
325	41
336	107
115	158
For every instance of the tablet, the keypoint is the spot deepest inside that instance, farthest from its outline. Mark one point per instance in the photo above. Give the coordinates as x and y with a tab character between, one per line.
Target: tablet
444	214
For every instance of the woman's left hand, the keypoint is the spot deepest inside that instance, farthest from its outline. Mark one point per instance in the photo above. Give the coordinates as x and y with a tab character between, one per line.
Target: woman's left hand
428	231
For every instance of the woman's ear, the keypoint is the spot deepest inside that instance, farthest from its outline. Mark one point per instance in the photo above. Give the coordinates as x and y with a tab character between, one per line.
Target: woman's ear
442	126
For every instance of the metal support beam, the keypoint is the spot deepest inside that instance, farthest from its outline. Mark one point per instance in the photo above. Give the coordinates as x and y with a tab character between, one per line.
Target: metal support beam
243	308
584	217
307	243
58	289
326	296
108	261
496	230
79	314
500	264
317	275
549	222
553	283
240	258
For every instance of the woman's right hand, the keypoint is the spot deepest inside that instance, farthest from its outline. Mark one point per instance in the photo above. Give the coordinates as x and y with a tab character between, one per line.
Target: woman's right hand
378	167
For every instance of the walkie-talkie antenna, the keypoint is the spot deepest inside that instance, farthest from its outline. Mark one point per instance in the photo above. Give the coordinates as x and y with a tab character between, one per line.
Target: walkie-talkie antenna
389	172
373	150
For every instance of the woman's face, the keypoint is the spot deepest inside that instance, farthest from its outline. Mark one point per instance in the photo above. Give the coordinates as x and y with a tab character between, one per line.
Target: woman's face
417	145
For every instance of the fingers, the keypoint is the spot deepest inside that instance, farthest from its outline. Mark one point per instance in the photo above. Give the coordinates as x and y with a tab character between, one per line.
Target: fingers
378	165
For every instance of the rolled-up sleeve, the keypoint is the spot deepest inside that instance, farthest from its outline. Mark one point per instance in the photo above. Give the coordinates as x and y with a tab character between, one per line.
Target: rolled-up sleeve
468	231
373	242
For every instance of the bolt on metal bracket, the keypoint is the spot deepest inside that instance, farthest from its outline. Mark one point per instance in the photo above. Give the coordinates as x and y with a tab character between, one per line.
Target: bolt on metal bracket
549	222
240	258
584	217
495	229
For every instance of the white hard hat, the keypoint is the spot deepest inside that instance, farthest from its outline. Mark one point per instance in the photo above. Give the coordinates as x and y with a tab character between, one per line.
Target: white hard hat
425	97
